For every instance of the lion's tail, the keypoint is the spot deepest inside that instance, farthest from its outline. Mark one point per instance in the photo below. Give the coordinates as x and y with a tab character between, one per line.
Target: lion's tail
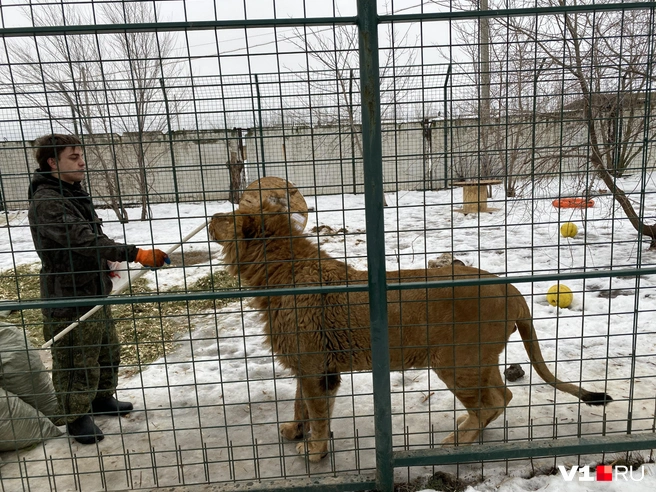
531	344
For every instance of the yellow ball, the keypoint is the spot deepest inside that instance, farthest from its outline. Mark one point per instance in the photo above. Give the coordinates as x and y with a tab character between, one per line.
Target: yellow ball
568	229
560	295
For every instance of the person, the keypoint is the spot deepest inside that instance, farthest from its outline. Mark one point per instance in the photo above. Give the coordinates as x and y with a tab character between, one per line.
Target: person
74	255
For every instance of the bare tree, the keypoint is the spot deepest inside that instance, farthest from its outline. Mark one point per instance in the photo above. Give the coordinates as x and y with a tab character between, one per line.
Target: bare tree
569	92
603	61
499	104
101	87
335	51
236	167
519	139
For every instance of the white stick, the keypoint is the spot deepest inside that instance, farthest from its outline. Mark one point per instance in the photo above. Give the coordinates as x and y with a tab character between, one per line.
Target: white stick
141	272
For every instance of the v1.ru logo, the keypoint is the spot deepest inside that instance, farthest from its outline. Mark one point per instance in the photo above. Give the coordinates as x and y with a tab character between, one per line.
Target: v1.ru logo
604	473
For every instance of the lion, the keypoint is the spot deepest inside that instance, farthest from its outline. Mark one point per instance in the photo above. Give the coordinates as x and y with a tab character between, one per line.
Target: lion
459	332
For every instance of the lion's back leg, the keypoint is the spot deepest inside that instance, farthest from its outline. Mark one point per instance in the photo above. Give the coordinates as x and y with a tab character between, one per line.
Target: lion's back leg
482	392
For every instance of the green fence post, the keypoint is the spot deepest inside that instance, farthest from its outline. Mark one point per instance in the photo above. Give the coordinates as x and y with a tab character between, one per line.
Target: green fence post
260	126
373	195
170	130
446	126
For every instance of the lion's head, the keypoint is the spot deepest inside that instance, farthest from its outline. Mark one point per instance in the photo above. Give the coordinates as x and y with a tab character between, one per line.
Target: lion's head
273	219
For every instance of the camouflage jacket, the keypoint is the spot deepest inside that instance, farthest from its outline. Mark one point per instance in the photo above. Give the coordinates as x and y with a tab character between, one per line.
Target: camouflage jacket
68	238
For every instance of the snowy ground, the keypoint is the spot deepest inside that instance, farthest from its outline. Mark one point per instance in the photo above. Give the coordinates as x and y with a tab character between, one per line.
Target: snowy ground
210	410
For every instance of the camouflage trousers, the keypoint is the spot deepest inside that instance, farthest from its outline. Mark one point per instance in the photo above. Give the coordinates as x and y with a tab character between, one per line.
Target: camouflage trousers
84	362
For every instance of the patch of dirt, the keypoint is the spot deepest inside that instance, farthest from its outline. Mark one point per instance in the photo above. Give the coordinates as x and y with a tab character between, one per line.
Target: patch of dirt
613	293
444	482
632	460
326	230
189	258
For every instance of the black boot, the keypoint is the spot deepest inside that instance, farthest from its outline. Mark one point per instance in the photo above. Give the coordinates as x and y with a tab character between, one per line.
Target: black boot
84	430
111	406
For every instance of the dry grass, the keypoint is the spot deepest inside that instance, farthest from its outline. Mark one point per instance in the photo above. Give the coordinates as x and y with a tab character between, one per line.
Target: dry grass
439	481
147	331
23	284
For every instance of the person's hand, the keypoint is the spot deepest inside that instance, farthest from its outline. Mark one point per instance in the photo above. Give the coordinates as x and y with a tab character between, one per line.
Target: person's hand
153	258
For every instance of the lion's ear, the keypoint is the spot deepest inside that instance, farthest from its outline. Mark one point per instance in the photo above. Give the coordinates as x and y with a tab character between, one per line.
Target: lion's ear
251	226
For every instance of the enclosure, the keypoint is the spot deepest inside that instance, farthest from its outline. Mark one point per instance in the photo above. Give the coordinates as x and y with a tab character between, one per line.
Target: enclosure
388	117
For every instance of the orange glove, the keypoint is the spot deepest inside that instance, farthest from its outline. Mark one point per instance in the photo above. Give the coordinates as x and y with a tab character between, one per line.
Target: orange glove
153	258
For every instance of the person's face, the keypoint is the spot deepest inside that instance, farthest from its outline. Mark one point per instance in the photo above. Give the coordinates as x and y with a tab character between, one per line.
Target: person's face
69	167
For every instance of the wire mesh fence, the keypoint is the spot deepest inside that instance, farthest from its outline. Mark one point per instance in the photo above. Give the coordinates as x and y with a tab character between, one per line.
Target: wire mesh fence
330	331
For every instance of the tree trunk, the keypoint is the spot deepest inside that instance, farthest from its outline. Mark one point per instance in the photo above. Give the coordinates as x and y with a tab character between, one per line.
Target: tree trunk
607	177
143	189
596	157
621	198
236	169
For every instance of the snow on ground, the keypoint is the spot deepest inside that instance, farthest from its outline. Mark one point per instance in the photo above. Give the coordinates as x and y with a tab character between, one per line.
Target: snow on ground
210	409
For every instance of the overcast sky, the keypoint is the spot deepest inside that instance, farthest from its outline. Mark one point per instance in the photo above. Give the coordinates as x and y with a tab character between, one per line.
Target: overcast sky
238	53
262	49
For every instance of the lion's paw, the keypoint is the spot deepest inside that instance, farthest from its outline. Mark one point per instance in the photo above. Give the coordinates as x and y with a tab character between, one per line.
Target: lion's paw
465	434
292	430
449	440
314	451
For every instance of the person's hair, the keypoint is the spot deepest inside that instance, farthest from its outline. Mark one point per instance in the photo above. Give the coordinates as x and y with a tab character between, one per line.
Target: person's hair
52	146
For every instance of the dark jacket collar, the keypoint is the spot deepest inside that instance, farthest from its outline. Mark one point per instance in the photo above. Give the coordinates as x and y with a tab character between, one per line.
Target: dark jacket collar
46	179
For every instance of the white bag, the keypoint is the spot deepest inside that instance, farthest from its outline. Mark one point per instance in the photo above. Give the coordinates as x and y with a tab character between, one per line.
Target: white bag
27	397
22	425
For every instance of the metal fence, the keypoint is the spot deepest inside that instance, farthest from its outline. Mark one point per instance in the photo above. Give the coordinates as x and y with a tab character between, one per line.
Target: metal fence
412	130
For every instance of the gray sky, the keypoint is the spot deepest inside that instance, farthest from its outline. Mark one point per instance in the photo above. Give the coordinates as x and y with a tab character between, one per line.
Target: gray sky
237	53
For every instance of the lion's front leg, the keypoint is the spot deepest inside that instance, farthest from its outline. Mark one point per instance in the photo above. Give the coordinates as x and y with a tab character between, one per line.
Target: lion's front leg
319	398
299	427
